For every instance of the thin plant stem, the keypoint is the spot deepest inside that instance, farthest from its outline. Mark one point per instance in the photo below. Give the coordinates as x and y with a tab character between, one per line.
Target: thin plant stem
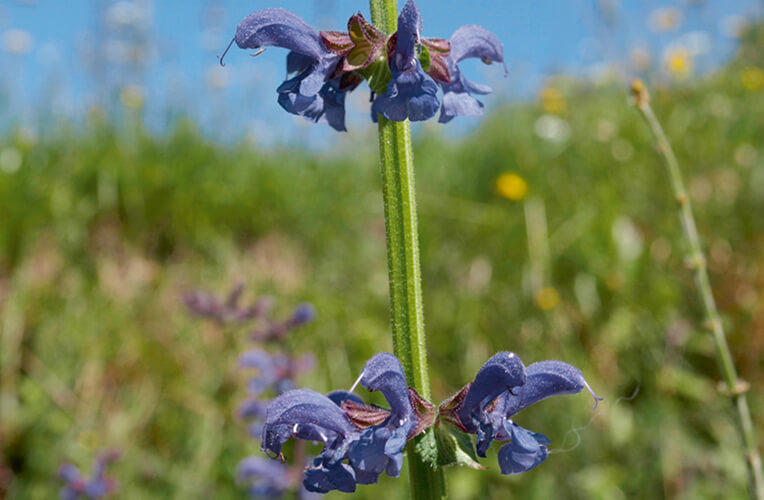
734	386
406	310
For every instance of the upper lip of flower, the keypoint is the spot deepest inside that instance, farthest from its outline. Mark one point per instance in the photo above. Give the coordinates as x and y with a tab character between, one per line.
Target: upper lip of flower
502	372
279	28
306	415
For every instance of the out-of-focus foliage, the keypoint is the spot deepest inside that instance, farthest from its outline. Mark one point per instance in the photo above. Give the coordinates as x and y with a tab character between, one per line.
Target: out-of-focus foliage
102	231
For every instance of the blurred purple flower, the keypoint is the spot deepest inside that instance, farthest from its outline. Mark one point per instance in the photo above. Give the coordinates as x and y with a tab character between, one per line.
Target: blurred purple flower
304	313
276	330
266	478
97	486
206	305
275	372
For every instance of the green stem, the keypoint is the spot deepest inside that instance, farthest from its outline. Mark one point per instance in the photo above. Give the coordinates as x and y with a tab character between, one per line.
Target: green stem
734	386
406	310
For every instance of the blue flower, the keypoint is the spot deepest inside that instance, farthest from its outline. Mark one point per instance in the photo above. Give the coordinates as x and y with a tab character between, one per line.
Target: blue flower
380	447
502	388
205	304
468	41
303	313
314	92
275	372
411	93
311	416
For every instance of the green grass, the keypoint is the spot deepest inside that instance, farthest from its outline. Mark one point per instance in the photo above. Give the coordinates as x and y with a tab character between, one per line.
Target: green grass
102	229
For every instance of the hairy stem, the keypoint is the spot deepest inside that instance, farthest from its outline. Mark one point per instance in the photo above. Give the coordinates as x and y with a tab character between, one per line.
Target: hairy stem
406	311
734	386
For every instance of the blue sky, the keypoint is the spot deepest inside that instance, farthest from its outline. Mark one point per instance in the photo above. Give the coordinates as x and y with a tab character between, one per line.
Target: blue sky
63	71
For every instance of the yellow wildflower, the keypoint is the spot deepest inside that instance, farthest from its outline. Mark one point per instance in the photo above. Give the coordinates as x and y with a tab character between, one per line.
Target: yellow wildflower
679	62
547	298
553	101
752	78
512	186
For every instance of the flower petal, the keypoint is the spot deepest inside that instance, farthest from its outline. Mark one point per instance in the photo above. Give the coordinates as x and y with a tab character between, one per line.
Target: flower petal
339	396
297	62
307	415
475	41
458	104
545	379
384	373
411	95
322	478
501	373
279	28
408	37
526	451
380	448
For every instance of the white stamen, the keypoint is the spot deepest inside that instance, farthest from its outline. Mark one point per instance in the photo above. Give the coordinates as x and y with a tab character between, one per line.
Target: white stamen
357	381
295	428
511	355
323	438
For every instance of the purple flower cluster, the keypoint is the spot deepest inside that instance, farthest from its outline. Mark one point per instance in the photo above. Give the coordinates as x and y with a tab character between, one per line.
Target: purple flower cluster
96	486
229	311
273	372
361	442
404	70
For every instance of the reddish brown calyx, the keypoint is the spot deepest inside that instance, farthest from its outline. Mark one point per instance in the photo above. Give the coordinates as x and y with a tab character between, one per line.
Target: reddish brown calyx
439	49
359	47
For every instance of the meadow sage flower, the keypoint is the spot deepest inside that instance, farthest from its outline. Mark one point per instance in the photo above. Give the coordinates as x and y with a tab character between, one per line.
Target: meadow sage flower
466	42
411	93
311	92
308	415
502	388
380	447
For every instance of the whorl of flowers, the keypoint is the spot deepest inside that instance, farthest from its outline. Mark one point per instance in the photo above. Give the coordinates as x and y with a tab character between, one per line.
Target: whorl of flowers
360	442
404	70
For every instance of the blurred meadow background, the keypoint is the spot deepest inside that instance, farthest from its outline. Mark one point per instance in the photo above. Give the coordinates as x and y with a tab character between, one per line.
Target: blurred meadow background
134	169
